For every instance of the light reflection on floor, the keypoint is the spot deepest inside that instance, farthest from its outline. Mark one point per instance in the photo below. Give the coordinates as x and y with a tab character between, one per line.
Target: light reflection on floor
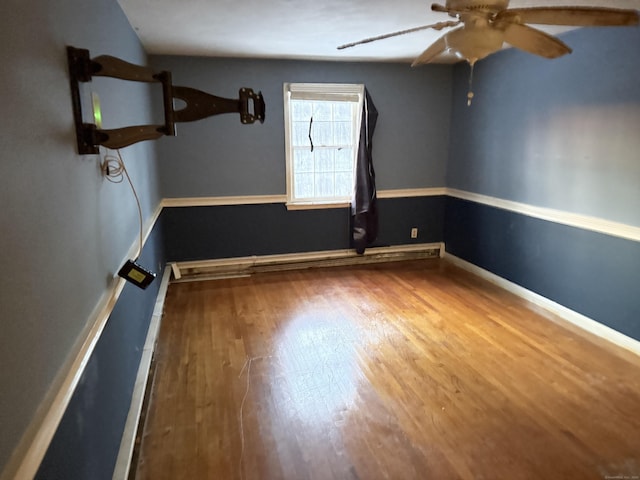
316	367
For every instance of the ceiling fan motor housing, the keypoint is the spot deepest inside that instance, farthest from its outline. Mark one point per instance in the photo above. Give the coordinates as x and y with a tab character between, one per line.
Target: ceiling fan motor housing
487	5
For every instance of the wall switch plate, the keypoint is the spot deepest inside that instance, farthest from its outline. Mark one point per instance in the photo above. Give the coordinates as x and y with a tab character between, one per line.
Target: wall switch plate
414	233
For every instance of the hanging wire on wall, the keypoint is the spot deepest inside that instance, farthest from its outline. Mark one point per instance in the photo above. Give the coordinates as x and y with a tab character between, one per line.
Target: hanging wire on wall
115	171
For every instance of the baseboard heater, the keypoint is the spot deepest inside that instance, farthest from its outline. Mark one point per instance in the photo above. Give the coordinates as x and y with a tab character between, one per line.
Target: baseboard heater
244	266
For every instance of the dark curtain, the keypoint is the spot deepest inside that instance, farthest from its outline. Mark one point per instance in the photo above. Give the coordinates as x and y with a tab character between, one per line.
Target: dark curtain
364	211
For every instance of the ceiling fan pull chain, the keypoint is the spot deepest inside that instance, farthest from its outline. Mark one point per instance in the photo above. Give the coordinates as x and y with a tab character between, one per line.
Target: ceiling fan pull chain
470	92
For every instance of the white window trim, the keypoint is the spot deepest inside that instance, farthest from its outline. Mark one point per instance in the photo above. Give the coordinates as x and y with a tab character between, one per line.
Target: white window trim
318	91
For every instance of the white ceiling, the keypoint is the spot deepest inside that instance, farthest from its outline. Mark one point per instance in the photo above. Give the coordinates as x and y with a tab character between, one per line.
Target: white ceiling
308	29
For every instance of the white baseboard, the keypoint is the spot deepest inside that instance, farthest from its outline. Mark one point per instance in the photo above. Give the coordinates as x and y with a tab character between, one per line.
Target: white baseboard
581	321
127	444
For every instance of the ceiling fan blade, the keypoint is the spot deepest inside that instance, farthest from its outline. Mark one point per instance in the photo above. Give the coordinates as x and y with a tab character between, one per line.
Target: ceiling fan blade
459	7
436	7
435	49
574	16
435	26
534	41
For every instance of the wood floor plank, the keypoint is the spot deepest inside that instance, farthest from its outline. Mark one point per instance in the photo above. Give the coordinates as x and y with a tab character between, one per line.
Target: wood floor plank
406	370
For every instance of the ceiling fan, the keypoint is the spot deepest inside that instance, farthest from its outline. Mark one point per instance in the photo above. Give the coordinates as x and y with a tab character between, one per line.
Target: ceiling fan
481	27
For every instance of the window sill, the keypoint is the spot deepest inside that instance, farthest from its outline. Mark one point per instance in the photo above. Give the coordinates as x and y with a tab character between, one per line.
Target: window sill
316	205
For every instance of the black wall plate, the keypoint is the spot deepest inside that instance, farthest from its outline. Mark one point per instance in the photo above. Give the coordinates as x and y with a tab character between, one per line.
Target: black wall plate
134	273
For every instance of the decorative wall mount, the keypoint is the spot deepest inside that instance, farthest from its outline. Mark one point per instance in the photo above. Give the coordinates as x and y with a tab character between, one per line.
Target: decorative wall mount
199	105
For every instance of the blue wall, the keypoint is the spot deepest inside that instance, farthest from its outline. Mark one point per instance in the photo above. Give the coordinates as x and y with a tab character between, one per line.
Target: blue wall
87	442
561	134
65	230
221	157
208	232
591	273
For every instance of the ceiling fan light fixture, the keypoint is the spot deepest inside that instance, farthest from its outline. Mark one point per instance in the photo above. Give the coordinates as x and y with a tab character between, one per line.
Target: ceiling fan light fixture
473	44
483	26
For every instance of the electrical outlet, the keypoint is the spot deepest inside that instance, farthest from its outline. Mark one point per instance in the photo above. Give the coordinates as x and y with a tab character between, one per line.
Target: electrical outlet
414	233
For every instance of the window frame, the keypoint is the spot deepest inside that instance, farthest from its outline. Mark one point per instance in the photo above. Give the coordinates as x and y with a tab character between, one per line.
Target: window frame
346	92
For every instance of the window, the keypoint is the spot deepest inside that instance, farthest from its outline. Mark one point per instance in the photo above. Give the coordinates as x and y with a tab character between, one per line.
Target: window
322	125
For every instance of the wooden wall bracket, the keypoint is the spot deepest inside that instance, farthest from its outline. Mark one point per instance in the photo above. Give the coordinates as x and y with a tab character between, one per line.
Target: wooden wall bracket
199	105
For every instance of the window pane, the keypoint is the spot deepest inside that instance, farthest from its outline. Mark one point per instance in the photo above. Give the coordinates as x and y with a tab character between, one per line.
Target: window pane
342	111
342	133
302	160
324	160
300	134
344	160
303	185
300	110
324	185
321	133
344	184
322	111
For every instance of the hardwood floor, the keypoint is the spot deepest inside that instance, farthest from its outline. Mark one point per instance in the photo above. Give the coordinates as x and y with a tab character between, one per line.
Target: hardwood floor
407	370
